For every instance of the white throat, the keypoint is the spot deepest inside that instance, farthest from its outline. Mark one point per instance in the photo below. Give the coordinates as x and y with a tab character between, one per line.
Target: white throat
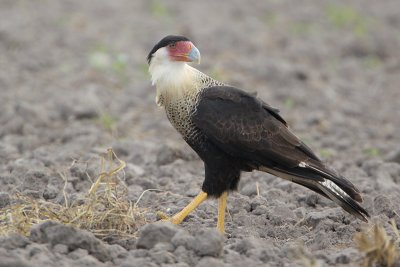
167	73
172	78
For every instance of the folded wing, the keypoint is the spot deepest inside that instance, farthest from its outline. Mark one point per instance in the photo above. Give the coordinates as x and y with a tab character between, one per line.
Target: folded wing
249	129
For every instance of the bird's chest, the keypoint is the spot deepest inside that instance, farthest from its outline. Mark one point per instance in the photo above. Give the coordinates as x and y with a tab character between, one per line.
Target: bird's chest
180	111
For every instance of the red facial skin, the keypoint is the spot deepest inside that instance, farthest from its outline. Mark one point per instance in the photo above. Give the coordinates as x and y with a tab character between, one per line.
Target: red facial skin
179	51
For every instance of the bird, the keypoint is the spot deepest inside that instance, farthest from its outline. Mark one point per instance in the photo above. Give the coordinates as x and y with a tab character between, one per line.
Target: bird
233	131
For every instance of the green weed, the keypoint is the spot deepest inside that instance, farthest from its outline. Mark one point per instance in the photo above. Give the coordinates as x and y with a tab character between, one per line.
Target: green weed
343	16
102	59
289	102
107	121
302	28
159	9
372	62
270	19
372	152
326	153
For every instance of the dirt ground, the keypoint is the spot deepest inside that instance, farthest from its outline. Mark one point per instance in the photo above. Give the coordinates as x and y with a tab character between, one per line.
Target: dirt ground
74	82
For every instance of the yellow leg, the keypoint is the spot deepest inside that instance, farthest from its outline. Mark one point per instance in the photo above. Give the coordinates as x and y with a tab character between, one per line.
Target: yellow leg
221	212
179	217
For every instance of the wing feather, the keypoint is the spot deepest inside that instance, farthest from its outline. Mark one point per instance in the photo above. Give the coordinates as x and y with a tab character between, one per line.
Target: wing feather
248	128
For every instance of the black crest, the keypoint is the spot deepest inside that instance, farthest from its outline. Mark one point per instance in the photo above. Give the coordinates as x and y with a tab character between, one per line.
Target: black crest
164	42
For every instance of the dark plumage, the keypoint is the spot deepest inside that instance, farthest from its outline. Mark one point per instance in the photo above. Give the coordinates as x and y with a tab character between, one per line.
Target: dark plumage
242	133
233	131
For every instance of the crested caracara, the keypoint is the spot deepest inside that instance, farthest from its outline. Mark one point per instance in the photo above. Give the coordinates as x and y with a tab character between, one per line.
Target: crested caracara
233	131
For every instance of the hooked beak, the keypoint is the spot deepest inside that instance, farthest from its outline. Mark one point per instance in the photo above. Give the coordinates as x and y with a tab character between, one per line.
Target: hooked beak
185	51
194	55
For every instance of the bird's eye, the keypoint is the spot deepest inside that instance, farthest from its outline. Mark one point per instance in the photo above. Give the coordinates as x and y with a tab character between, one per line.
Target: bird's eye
172	45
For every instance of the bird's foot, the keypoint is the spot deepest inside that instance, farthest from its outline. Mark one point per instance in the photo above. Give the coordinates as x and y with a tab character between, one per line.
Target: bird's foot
176	219
161	216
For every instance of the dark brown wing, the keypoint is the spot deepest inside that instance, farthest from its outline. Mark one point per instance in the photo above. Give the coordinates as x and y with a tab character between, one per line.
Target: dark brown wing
247	128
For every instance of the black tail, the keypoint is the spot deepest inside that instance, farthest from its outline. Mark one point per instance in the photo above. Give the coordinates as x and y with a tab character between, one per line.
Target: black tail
340	197
328	184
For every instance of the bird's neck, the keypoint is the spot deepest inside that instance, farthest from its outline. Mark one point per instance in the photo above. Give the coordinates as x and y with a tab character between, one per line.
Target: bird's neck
174	80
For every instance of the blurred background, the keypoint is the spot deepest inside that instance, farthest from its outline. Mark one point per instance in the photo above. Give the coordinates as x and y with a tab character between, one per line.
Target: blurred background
73	74
74	81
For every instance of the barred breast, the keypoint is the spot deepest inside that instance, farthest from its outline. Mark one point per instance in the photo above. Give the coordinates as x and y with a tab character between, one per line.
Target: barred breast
179	112
180	109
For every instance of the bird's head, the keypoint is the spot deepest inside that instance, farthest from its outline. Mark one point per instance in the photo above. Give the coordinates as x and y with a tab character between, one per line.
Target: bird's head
173	48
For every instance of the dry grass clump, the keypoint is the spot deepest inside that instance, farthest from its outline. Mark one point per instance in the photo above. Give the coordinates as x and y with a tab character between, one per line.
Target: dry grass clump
378	246
105	210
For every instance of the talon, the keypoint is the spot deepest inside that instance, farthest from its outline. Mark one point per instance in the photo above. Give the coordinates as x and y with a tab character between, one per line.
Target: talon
180	216
161	216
